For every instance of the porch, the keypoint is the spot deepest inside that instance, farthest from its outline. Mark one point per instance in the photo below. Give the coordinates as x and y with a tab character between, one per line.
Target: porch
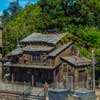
35	76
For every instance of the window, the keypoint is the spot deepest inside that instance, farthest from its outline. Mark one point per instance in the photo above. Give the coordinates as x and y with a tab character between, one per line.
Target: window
33	57
49	61
36	58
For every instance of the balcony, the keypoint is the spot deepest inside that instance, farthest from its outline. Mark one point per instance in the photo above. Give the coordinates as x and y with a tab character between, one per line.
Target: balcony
36	61
29	65
27	61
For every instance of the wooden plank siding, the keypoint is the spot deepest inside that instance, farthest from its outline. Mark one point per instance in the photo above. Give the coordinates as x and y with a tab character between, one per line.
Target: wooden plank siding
66	52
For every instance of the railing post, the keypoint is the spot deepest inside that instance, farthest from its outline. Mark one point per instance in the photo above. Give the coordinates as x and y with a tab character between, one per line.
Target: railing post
12	77
46	90
32	80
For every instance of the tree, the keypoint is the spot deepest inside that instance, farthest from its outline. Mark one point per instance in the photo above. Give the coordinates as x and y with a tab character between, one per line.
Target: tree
12	10
79	17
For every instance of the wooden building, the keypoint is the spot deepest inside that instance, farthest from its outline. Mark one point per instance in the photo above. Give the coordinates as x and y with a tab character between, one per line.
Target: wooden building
37	60
76	69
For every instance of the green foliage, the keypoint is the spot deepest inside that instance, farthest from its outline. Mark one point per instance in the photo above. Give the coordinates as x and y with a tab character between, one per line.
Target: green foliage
89	37
84	52
97	53
79	17
12	10
26	22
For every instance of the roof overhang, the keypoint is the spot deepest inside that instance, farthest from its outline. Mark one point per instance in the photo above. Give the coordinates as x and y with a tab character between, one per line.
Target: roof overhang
43	38
8	64
71	61
59	50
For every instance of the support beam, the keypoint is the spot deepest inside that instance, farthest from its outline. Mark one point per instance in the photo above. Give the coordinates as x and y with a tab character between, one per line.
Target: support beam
54	76
93	64
0	71
76	78
12	78
32	80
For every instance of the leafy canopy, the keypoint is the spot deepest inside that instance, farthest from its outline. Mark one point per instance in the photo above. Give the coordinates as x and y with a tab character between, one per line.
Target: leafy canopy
79	17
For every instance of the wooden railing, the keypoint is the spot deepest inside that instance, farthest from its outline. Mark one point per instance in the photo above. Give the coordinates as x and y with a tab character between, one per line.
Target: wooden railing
38	62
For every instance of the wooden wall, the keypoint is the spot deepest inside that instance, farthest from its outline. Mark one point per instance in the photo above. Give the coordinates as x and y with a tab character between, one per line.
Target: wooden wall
65	53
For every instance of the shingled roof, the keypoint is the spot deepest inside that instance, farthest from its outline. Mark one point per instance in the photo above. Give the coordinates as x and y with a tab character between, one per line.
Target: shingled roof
77	61
57	51
46	38
16	51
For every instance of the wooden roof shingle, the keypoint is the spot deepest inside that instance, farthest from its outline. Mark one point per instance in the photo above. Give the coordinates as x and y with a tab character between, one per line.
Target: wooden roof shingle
77	61
46	38
16	51
57	51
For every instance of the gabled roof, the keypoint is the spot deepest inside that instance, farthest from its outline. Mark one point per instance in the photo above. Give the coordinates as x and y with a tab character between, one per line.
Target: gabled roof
77	61
19	50
60	49
46	38
37	48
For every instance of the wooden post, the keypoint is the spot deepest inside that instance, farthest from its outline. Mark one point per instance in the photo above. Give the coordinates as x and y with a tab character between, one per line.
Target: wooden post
12	77
93	64
54	74
0	71
88	79
46	86
76	78
67	83
32	80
